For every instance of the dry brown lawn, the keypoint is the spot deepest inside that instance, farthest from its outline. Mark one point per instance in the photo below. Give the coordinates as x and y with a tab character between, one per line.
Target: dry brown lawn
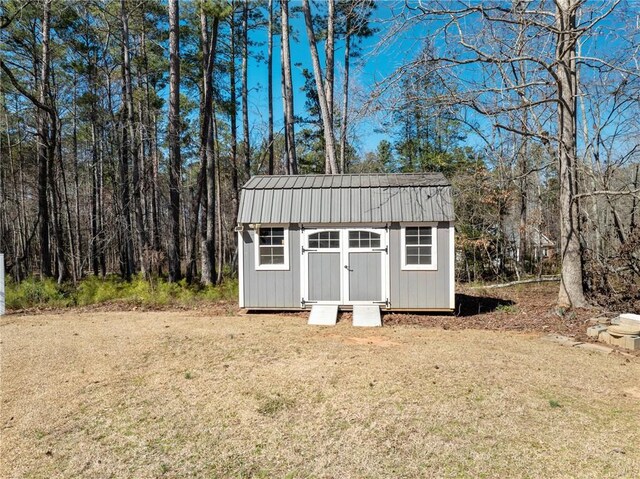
179	394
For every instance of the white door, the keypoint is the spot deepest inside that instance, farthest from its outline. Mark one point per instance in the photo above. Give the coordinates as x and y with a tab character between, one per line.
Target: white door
321	266
366	257
344	266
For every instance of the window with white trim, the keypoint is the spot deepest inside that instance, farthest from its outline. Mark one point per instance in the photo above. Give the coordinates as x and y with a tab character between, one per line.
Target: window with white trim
419	247
271	251
363	239
324	240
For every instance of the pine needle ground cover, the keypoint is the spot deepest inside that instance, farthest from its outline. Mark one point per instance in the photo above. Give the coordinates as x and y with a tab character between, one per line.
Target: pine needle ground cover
189	394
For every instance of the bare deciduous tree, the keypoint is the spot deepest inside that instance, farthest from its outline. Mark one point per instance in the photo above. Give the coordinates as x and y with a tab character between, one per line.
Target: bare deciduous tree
327	125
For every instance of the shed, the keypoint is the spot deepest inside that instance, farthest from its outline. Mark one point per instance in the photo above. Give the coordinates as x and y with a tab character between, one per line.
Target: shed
347	240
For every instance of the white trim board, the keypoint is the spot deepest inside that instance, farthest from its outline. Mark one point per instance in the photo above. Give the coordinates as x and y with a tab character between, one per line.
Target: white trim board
256	246
434	248
240	270
452	266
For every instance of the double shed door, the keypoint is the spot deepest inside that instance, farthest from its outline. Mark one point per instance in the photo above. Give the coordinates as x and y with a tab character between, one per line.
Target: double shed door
344	266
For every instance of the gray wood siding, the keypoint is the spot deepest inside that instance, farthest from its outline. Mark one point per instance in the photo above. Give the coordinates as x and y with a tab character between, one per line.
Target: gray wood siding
324	276
271	289
419	289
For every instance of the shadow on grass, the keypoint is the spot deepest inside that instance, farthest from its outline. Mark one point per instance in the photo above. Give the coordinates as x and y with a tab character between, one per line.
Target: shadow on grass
467	305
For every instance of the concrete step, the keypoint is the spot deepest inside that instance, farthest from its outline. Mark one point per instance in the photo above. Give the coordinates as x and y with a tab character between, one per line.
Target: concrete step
323	315
366	316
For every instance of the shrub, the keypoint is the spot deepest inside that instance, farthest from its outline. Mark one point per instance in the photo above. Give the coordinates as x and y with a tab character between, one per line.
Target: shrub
95	290
157	292
35	293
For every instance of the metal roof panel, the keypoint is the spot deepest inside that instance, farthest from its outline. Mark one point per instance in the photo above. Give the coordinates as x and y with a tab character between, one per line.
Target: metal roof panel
346	199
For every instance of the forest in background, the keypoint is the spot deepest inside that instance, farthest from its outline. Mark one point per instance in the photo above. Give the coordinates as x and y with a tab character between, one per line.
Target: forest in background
126	129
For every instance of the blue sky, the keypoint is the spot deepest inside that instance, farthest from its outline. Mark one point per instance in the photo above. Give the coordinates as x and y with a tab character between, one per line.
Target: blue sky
376	63
364	72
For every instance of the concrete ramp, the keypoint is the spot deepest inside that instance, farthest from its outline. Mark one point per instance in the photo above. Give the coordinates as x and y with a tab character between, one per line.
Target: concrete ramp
323	315
366	316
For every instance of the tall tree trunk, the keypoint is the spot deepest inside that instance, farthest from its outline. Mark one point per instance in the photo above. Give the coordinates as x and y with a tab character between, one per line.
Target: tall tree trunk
245	88
345	95
67	208
571	287
126	243
329	51
155	188
633	224
191	231
199	207
76	180
127	262
130	146
270	85
212	205
152	170
292	162
207	249
44	160
175	163
322	99
283	94
94	244
218	202
54	146
234	108
523	184
56	229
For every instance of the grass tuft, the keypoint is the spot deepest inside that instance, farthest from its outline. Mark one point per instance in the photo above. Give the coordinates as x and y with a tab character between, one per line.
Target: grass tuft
271	406
506	308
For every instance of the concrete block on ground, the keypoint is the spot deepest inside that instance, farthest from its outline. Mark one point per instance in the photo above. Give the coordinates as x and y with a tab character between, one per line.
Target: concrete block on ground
617	341
605	337
594	331
630	342
598	348
560	339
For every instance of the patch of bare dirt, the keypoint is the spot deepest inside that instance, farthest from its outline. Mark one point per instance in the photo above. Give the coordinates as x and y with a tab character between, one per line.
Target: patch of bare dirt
633	392
525	308
380	341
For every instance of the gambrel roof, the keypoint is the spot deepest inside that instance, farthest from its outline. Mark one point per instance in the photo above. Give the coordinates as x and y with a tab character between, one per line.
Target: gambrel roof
366	198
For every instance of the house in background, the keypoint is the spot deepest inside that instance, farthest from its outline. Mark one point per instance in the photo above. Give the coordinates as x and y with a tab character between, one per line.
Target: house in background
544	248
382	240
540	246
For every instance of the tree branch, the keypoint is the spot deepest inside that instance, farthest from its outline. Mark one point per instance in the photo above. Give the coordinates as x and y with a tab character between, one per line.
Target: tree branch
24	91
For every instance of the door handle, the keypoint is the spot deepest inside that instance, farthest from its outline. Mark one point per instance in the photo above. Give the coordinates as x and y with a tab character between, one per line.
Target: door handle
347	267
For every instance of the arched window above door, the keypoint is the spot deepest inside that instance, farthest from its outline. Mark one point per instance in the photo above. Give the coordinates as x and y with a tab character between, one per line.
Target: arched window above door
324	240
363	239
